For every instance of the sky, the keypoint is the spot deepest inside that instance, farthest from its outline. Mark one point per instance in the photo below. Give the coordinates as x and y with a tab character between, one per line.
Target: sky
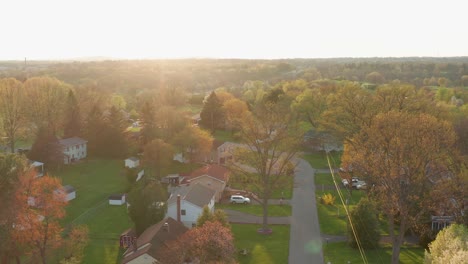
256	29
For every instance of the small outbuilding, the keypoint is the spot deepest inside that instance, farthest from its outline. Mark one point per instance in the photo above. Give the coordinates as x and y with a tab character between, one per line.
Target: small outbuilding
70	192
117	199
132	162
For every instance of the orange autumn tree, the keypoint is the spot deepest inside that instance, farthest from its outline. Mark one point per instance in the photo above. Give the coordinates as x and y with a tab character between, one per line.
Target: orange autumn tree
42	205
210	243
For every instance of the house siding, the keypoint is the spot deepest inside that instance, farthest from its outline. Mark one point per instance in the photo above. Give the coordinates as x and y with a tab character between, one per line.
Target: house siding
75	152
192	212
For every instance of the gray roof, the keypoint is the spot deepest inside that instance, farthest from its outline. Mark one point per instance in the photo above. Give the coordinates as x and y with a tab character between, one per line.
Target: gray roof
73	141
68	188
116	196
196	194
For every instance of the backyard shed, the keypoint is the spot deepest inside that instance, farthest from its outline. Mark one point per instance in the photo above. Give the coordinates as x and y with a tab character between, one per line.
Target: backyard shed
117	199
70	192
132	162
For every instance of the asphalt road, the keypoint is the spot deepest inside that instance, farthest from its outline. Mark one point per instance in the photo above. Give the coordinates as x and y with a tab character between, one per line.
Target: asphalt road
305	244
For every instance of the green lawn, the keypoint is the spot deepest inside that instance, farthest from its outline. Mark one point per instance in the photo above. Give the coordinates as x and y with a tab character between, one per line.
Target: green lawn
104	231
318	160
255	209
341	253
325	179
285	191
332	218
222	135
263	249
94	181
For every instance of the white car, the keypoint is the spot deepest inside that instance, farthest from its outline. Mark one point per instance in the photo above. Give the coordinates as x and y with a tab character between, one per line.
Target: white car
239	199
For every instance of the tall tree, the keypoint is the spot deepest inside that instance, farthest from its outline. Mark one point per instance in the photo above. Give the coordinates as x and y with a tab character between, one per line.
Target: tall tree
311	103
210	243
147	201
267	156
46	102
157	154
12	109
150	127
400	154
212	116
72	117
193	142
47	149
39	223
95	131
12	167
115	138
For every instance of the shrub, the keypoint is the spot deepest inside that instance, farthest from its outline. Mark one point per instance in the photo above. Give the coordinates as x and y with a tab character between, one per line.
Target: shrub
328	199
366	225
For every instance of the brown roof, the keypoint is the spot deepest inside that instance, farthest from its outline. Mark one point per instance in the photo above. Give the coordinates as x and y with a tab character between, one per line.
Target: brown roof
156	236
216	171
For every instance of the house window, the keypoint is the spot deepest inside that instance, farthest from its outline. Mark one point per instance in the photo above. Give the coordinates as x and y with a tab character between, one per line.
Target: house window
182	212
194	225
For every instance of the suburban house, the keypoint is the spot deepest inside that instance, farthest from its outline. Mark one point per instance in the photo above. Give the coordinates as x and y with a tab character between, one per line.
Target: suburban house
212	176
187	201
155	238
38	168
73	149
132	162
225	152
117	199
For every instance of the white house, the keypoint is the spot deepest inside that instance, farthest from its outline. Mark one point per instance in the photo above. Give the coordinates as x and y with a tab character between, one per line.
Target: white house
187	201
73	149
132	162
117	199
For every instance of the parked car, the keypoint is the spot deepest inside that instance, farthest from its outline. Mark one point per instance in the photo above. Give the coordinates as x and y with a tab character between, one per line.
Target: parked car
239	199
355	183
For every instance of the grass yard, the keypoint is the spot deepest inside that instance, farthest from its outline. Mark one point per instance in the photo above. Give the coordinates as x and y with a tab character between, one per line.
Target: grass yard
340	252
318	160
263	249
222	135
104	232
255	209
332	218
285	191
326	179
94	181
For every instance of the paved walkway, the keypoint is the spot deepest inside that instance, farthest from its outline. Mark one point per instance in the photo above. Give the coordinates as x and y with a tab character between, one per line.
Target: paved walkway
244	218
305	244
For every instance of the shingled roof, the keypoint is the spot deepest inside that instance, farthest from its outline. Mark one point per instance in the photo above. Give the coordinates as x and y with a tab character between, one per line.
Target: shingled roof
73	141
216	171
196	194
157	236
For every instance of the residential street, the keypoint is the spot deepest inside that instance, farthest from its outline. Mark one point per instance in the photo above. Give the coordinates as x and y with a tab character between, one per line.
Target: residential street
305	245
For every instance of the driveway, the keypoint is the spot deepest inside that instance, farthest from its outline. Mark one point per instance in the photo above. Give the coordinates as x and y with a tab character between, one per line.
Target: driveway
305	244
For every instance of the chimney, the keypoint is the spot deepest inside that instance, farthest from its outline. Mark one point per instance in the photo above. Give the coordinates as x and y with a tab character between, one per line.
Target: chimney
178	208
166	227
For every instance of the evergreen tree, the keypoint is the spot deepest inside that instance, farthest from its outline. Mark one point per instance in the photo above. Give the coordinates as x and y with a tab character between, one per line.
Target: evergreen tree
115	139
72	117
216	216
366	225
212	116
147	201
150	129
94	131
47	149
